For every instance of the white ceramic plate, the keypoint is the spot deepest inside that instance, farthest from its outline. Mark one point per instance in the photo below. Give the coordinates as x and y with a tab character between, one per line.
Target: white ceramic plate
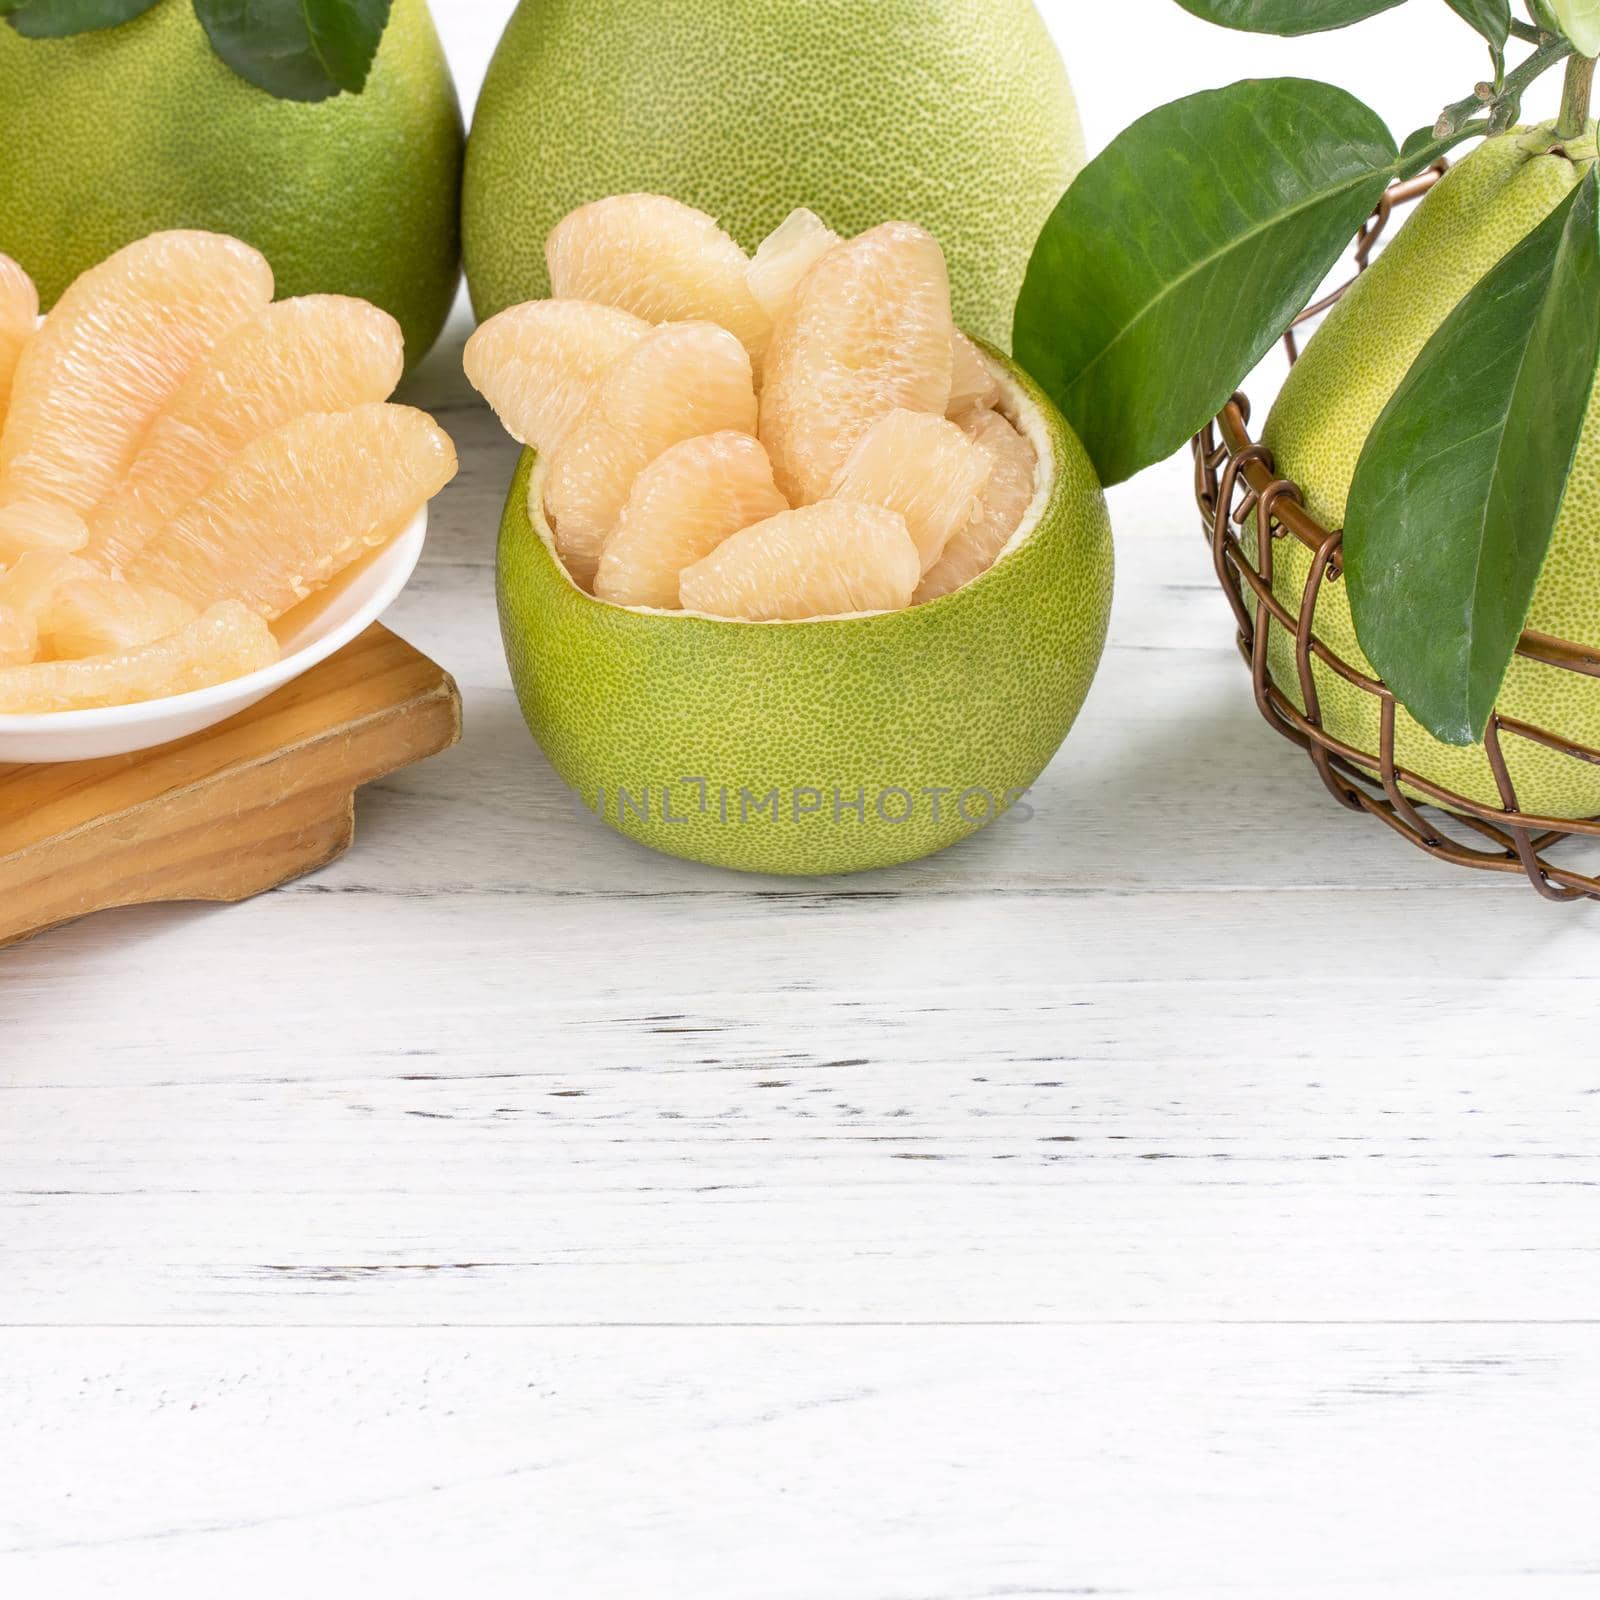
347	607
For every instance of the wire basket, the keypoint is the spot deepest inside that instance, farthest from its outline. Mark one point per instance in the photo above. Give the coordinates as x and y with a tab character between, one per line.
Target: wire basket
1234	478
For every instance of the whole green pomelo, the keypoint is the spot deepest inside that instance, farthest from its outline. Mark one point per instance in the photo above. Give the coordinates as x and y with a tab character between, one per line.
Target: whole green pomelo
112	135
955	114
821	746
1347	375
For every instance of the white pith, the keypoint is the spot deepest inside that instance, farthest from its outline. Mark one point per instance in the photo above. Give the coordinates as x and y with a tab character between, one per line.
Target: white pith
1015	406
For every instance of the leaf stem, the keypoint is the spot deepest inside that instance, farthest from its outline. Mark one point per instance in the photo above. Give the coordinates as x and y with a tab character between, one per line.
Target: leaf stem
1425	146
1575	97
1505	104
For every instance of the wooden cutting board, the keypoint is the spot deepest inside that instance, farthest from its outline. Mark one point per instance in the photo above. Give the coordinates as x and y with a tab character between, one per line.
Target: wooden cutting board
237	809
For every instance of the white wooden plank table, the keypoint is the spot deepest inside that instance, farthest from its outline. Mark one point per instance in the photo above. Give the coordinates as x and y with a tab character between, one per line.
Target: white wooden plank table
1190	1192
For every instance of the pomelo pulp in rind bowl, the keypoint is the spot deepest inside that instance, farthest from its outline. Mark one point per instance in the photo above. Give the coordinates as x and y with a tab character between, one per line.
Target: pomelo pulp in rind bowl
820	746
953	114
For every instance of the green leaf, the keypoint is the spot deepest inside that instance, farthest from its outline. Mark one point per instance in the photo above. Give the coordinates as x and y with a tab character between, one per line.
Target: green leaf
1580	21
1287	16
297	49
58	19
1492	18
1181	254
1456	495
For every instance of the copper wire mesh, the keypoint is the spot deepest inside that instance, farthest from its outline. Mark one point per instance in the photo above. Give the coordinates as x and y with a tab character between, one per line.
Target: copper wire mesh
1234	478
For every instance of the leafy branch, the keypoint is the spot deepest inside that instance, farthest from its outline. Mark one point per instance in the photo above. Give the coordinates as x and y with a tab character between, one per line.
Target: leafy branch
1503	104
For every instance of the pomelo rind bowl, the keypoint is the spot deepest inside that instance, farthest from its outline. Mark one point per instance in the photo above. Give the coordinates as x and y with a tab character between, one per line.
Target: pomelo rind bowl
883	737
337	614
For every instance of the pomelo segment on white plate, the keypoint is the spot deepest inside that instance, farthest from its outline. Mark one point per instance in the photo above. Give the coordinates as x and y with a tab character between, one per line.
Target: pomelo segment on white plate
184	461
112	351
19	637
299	505
228	641
37	525
78	610
317	353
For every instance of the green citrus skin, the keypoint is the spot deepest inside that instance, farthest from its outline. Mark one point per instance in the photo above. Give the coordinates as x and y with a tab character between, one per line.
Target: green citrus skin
1348	374
971	694
112	135
955	114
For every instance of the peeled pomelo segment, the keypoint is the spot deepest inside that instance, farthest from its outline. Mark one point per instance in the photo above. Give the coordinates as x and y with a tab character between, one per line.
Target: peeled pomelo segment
90	621
293	509
19	311
539	364
868	333
691	369
110	355
801	240
30	584
829	559
316	353
682	506
19	637
683	380
972	384
658	258
925	468
1013	481
37	525
228	641
784	257
98	615
78	610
